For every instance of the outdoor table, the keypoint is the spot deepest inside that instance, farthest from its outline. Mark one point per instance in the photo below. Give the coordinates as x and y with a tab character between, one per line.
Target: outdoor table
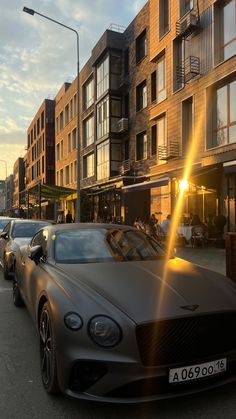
185	231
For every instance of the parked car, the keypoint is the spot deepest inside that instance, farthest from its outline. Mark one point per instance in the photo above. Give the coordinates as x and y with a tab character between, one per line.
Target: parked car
112	327
4	221
16	233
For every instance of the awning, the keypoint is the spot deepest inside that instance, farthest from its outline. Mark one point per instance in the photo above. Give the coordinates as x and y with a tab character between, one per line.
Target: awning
50	191
146	185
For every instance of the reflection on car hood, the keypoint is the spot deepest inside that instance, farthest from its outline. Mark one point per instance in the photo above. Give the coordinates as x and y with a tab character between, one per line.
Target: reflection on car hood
137	288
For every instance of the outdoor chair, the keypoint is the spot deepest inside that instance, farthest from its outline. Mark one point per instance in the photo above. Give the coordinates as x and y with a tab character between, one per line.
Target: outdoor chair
198	236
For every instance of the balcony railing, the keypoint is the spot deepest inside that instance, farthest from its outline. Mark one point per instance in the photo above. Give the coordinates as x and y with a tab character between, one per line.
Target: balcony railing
170	151
189	70
187	25
125	167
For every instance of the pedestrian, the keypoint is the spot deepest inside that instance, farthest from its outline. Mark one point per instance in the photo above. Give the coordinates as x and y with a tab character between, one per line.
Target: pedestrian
68	217
138	223
60	217
165	225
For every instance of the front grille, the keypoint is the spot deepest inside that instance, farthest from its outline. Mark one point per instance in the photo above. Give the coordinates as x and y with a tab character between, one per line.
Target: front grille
186	340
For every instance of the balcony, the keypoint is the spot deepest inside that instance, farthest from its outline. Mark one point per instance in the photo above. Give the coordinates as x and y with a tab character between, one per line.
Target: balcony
187	25
125	167
170	151
189	70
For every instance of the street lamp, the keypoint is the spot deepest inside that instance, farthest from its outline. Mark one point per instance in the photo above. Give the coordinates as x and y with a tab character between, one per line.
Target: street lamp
4	161
78	201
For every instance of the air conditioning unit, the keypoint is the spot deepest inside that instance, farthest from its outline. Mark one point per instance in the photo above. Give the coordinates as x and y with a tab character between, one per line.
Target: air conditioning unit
122	125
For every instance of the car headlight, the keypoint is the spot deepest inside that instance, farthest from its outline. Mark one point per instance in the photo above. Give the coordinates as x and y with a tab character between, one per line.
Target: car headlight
73	321
104	331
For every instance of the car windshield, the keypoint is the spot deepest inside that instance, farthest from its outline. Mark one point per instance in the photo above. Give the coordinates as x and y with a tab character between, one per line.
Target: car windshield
102	245
3	223
25	229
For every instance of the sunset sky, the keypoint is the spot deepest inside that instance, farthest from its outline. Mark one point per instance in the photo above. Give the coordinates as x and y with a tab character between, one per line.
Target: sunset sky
37	56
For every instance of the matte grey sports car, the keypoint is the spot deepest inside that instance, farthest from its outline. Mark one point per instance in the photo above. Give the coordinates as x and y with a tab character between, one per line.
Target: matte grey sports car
111	328
15	233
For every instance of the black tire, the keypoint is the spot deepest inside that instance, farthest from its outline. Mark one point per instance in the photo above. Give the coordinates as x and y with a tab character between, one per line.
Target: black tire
48	363
17	299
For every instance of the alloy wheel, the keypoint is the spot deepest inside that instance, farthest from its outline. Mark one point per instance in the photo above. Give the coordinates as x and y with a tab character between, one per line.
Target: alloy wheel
46	355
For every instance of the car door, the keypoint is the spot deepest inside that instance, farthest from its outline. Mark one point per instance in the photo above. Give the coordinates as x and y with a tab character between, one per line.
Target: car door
32	273
4	242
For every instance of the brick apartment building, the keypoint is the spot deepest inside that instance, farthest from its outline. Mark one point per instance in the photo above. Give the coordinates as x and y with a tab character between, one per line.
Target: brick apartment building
193	44
40	160
19	184
114	85
149	94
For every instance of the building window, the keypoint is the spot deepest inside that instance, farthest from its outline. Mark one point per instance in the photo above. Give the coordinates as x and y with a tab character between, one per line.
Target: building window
69	142
163	17
62	149
61	121
34	131
225	30
153	86
103	160
75	171
61	178
141	96
67	175
71	109
141	146
187	124
88	166
178	49
88	131
38	126
223	120
154	140
88	94
42	120
71	173
185	7
115	113
75	105
43	164
67	114
141	46
103	77
126	105
57	125
161	79
161	132
115	70
103	118
74	140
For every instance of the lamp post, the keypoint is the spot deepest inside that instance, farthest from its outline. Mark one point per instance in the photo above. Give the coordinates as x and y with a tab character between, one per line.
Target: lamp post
4	161
78	201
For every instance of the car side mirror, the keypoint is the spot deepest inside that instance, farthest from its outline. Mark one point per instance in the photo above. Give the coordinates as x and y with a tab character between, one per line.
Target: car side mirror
35	253
4	235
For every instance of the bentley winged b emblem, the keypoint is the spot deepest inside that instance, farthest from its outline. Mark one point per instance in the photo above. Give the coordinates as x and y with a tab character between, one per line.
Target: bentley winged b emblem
190	307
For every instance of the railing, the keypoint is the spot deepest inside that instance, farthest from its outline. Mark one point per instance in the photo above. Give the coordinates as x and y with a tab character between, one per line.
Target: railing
116	28
189	70
169	151
125	167
187	25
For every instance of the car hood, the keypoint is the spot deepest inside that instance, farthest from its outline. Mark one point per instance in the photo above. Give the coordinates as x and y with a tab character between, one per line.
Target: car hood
140	289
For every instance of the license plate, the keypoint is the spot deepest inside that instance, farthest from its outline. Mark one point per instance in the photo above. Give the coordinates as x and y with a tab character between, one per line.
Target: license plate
194	372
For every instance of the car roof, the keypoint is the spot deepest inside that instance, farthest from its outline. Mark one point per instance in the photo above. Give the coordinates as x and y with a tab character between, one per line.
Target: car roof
23	220
93	226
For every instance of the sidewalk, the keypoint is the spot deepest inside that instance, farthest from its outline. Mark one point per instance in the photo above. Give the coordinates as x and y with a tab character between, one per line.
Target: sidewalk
209	257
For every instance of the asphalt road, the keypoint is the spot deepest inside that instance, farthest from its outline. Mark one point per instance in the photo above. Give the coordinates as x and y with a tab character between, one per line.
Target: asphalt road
22	395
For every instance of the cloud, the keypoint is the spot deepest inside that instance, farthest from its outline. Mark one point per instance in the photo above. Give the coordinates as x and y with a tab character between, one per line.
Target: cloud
37	56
